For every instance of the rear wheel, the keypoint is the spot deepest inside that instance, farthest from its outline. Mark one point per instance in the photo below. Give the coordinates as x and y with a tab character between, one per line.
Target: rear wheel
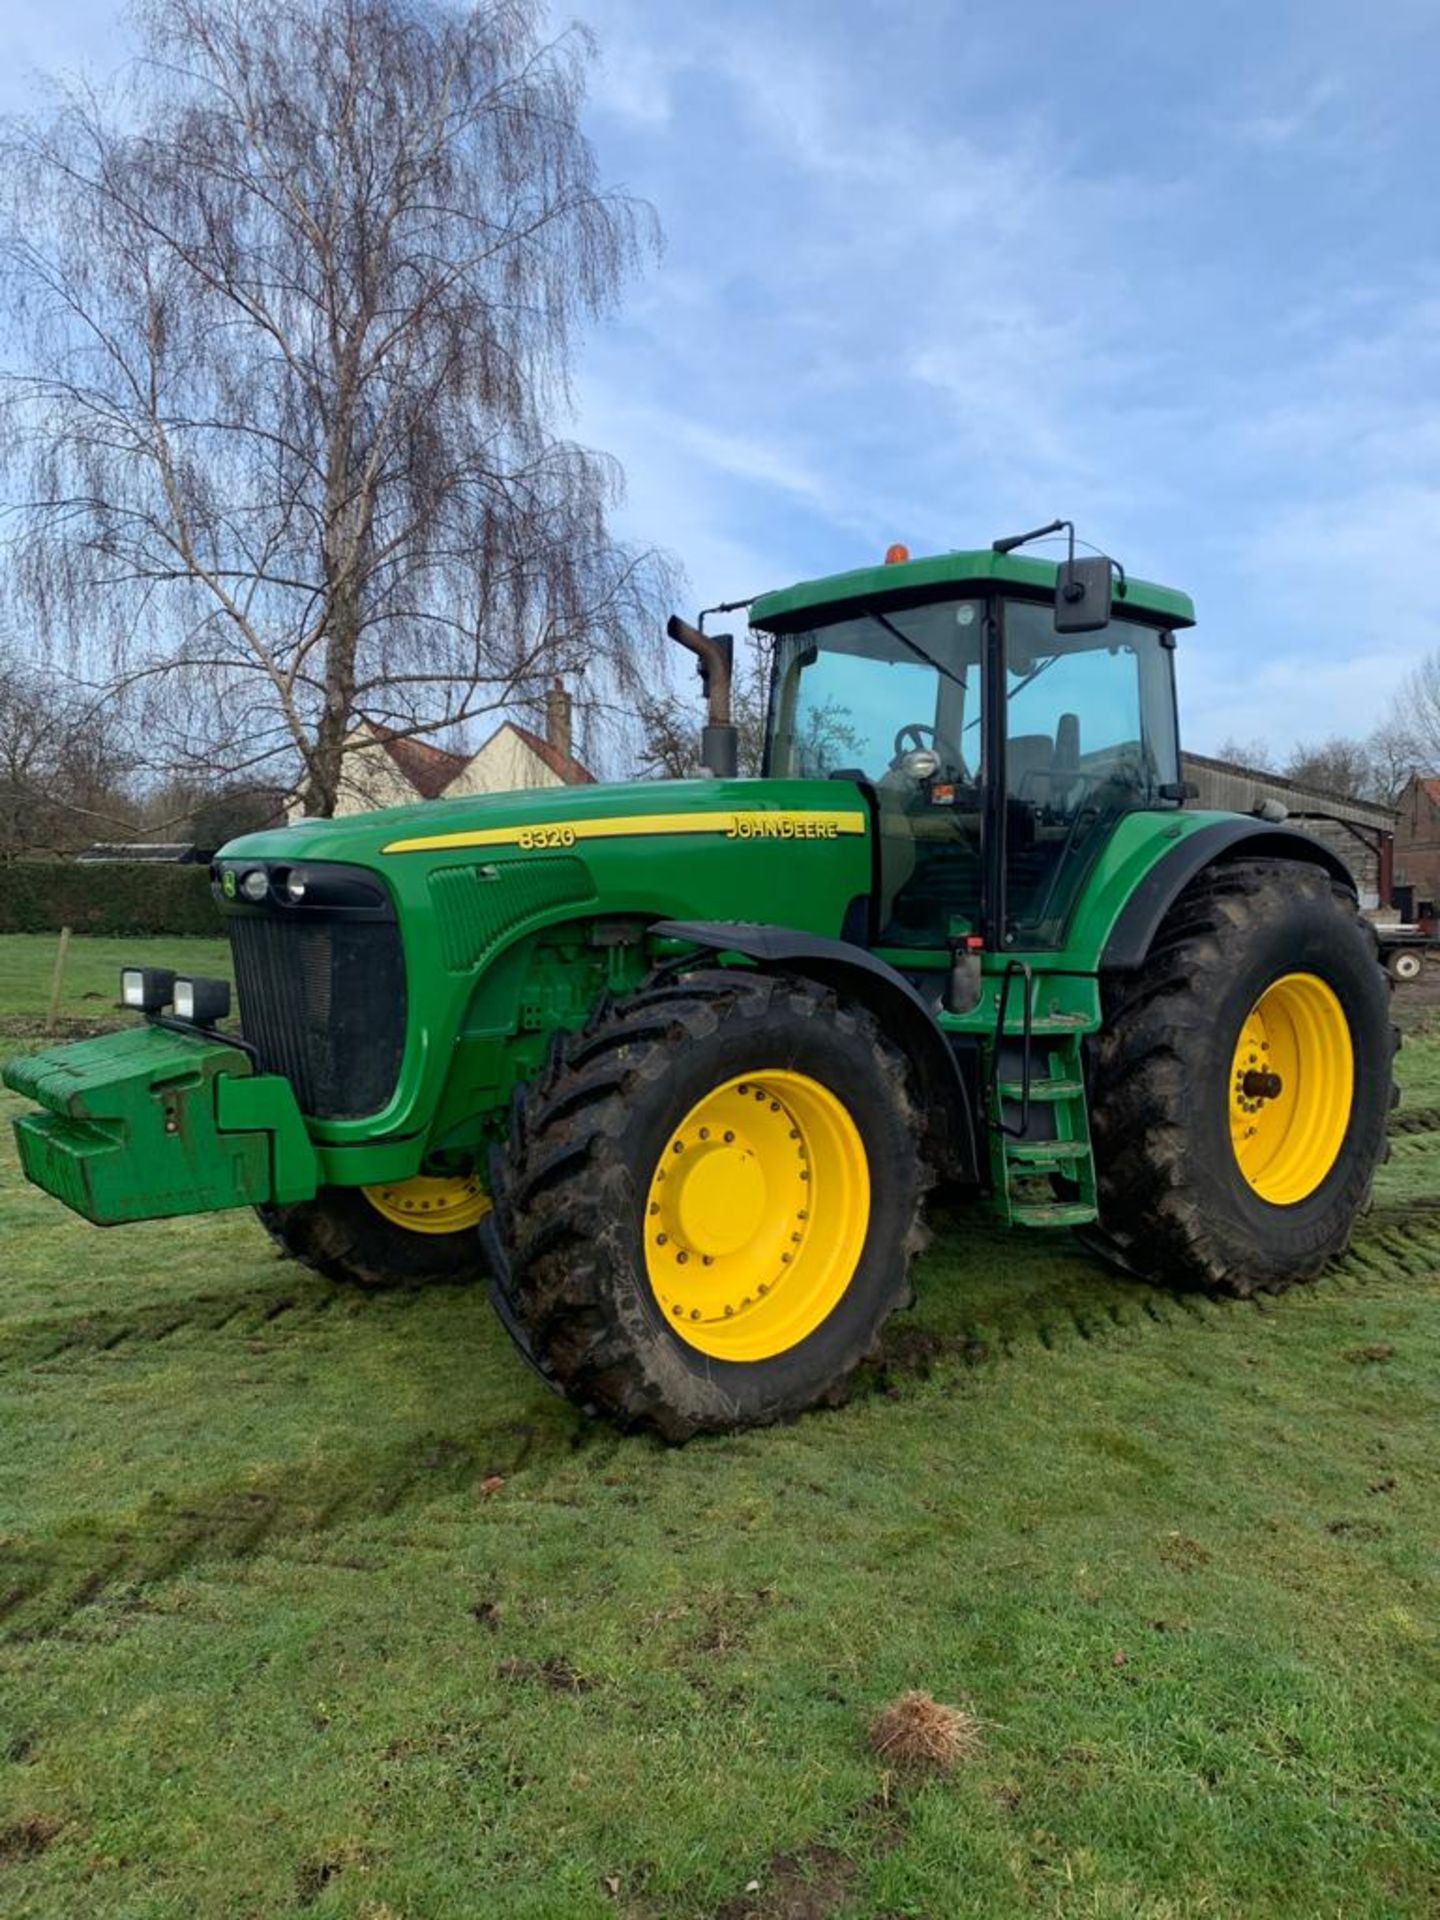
710	1202
406	1233
1243	1084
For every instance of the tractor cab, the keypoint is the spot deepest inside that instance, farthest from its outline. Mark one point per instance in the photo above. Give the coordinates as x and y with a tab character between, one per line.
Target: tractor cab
1002	730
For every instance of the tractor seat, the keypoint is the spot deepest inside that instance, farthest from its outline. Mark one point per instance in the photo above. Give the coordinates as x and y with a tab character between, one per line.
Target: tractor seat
1032	761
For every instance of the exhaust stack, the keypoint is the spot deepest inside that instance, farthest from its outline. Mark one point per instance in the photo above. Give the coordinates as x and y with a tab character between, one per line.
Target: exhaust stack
715	654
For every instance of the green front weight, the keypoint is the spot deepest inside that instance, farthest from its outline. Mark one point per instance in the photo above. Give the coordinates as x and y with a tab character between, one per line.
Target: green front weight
152	1122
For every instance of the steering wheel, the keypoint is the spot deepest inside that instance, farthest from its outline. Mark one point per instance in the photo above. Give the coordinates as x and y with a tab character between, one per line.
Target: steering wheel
916	737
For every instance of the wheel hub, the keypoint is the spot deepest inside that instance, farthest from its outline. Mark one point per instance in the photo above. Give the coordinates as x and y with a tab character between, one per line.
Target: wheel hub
1292	1082
431	1204
756	1215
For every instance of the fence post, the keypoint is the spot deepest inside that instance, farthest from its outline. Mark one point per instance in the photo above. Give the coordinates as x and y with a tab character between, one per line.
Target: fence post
57	981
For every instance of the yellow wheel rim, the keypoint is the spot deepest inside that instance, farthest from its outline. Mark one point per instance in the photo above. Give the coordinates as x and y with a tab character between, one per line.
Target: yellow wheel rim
756	1215
429	1205
1292	1082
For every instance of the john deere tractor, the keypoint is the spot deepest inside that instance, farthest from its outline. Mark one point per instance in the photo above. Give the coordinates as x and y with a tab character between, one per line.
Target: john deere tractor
676	1064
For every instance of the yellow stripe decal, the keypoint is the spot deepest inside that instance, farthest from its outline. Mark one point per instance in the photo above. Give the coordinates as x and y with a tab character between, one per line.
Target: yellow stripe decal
777	825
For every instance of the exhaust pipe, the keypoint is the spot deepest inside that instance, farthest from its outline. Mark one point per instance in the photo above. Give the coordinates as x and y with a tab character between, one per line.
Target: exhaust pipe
715	654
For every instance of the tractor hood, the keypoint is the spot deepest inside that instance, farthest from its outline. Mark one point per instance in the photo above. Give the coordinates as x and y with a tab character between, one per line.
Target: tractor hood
553	819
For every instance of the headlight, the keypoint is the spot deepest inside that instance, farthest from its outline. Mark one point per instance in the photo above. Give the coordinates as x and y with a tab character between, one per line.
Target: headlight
295	888
147	989
202	1002
256	884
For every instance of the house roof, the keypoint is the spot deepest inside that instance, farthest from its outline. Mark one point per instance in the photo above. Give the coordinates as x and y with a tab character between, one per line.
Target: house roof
152	852
429	769
564	766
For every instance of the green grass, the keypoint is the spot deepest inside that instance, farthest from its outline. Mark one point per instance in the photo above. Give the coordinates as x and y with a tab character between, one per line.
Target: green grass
269	1648
91	977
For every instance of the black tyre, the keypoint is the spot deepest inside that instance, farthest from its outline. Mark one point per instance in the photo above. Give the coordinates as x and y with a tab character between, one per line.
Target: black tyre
419	1233
1243	1084
710	1201
1405	966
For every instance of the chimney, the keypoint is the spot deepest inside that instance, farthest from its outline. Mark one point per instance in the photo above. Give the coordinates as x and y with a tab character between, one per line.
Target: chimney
557	718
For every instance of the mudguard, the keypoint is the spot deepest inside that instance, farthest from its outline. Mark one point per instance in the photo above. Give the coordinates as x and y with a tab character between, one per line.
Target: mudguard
901	1012
1139	921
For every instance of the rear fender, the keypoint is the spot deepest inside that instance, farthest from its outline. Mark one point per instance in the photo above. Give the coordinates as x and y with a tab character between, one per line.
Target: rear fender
901	1013
1239	839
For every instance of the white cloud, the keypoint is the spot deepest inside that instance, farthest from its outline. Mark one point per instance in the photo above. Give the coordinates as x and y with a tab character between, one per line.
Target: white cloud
1283	126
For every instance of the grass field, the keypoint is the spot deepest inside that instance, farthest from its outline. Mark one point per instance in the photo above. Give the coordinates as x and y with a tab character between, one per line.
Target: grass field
320	1605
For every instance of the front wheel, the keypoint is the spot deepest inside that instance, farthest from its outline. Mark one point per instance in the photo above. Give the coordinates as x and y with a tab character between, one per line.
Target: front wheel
407	1233
710	1202
1405	966
1243	1084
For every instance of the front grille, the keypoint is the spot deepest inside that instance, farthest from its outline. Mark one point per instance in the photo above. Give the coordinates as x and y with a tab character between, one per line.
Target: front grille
322	1001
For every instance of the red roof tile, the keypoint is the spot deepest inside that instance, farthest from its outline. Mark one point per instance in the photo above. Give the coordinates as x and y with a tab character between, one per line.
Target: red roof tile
429	769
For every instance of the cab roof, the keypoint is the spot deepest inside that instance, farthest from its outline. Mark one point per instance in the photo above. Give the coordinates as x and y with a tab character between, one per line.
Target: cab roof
985	568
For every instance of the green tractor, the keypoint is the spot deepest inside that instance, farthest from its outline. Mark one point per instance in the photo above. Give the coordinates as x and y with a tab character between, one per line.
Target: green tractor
677	1064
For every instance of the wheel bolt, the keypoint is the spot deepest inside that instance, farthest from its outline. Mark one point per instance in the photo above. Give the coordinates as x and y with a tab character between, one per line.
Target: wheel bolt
786	1258
704	1133
679	1147
661	1239
707	1260
682	1258
728	1138
654	1206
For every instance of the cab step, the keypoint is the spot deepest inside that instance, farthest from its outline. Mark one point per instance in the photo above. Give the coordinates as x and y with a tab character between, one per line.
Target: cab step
1042	1089
1057	1213
1030	1154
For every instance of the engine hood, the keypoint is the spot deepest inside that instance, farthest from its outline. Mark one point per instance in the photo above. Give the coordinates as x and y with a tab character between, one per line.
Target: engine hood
518	821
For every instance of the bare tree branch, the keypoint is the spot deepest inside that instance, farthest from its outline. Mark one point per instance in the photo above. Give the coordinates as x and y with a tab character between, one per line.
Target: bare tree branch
298	307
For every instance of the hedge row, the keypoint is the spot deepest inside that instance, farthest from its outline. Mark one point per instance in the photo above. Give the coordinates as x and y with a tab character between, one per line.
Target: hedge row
124	897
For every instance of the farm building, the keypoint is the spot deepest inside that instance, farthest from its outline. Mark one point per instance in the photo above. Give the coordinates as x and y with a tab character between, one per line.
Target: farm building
1361	832
1417	843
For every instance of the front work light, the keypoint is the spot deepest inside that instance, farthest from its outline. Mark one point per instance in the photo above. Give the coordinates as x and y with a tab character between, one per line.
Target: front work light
147	989
202	1002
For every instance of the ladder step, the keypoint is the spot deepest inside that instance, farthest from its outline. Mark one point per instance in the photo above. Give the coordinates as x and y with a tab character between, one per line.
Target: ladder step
1064	1213
1042	1089
1044	1153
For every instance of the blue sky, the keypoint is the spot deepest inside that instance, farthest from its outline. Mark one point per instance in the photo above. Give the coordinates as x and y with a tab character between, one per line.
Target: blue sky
936	272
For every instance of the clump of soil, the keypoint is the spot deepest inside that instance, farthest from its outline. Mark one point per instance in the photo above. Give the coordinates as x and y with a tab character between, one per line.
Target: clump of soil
918	1731
26	1839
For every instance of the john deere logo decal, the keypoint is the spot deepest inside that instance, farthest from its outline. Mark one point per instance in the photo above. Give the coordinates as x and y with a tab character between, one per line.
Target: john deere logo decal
227	883
771	824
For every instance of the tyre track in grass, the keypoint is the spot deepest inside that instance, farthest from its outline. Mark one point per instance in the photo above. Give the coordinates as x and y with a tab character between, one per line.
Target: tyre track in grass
101	1567
102	1563
1397	1241
301	1303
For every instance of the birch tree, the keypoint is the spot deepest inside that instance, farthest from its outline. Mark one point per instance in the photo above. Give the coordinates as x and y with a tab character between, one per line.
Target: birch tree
298	304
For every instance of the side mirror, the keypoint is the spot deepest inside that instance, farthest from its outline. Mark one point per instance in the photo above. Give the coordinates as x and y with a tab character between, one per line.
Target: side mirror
1082	595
